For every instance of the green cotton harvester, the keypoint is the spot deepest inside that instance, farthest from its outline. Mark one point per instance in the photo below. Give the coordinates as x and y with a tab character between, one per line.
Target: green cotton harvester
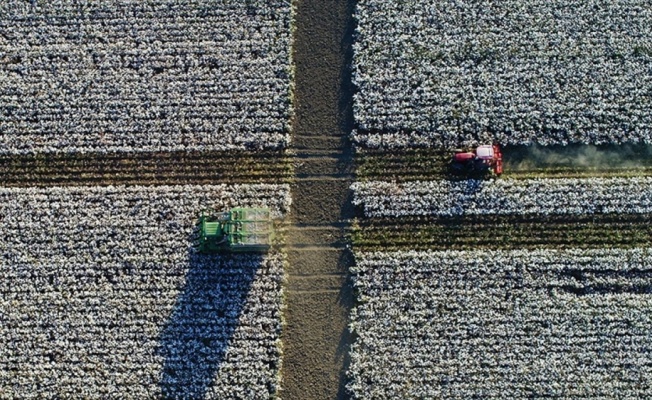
240	230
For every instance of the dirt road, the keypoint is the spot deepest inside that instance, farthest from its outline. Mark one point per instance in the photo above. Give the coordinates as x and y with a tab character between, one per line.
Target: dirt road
318	296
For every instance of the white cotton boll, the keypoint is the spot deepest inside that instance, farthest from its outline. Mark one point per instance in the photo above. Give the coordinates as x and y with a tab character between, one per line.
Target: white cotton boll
152	89
446	324
457	69
505	196
111	307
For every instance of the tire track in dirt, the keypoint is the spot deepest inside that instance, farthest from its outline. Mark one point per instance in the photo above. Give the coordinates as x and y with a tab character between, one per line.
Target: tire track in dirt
318	295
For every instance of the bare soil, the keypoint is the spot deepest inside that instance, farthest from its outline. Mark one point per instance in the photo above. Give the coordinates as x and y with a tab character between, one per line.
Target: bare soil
316	344
318	294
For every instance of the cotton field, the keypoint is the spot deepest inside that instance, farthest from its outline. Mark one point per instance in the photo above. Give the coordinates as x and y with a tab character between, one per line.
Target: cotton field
120	75
505	196
400	260
104	296
502	324
446	73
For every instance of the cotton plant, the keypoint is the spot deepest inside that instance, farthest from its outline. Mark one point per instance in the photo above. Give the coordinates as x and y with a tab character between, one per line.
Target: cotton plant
449	73
124	76
558	196
501	324
104	295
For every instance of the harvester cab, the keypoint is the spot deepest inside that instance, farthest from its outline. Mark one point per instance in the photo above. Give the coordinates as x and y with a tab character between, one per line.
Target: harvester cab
241	230
484	160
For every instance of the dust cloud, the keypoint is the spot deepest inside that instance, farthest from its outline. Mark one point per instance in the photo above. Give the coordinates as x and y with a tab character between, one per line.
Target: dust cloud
577	156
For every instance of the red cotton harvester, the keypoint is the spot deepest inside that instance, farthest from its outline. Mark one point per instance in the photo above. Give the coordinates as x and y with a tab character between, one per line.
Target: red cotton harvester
484	160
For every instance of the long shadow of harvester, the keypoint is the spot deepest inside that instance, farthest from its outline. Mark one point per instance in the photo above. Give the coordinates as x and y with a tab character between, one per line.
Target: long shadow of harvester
197	335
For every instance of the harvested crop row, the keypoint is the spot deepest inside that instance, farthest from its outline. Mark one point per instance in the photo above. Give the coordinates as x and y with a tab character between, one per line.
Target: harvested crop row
407	165
443	73
145	168
520	162
103	295
502	324
132	76
504	232
505	196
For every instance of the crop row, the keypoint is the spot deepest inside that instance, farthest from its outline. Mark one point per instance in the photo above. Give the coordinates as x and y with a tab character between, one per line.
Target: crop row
520	162
445	73
206	167
503	232
502	324
144	76
505	196
104	295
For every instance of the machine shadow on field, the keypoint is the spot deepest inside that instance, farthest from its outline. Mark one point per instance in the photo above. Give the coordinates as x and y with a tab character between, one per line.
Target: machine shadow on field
346	300
198	333
346	296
